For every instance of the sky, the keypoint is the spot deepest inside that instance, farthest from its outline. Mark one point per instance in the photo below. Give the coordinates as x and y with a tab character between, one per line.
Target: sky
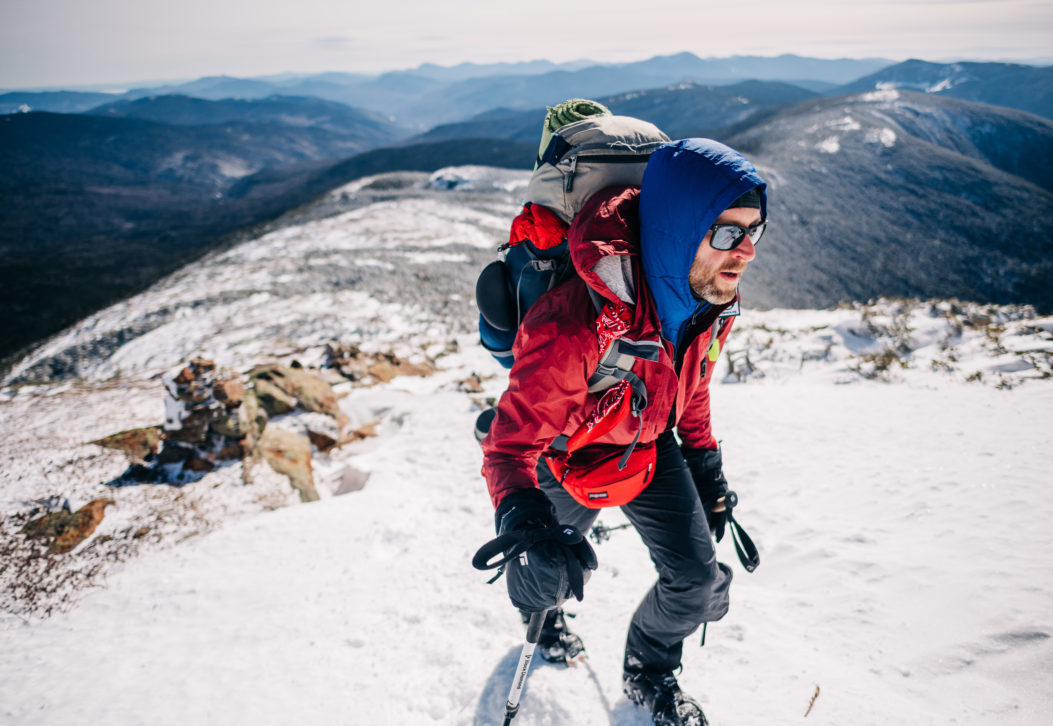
68	43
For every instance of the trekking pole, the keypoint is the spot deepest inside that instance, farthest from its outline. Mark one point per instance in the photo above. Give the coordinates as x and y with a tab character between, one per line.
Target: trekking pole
600	532
533	634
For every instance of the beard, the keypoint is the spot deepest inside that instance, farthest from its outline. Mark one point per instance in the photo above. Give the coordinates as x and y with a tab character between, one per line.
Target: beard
713	287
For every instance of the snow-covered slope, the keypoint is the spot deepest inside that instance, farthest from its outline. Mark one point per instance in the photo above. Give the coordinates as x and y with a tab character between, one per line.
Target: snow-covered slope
892	460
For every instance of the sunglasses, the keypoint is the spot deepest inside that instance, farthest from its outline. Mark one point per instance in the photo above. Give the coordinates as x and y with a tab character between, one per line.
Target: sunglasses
729	236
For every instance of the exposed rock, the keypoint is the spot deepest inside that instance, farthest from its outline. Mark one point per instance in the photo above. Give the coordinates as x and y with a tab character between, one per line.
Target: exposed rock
255	419
471	384
389	365
384	371
68	529
198	463
190	406
309	389
174	452
229	392
351	480
233	451
355	365
348	359
193	426
362	432
274	399
322	442
290	454
137	444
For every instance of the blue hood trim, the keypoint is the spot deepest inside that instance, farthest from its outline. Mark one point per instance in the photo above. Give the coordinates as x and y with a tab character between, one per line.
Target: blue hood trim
686	186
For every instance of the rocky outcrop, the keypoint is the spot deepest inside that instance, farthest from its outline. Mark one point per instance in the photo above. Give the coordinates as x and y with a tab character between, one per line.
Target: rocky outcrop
139	445
68	529
209	417
280	388
290	454
212	417
355	365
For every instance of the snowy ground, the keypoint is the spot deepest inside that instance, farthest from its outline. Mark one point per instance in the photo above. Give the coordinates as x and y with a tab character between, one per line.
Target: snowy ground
893	464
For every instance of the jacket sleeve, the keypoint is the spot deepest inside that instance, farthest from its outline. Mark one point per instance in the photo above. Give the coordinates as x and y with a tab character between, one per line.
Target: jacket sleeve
546	385
695	426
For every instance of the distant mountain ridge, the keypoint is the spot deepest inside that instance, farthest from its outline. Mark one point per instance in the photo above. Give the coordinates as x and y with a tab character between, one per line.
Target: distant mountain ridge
93	208
898	193
357	129
430	94
870	190
1024	87
684	109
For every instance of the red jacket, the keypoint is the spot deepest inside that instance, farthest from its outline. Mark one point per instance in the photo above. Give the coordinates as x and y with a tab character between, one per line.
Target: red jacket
557	349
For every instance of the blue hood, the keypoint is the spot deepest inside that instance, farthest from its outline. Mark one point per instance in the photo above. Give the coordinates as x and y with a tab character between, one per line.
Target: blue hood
686	186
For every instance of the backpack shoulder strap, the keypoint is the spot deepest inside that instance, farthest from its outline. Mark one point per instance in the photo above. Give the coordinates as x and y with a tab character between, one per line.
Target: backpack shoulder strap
617	363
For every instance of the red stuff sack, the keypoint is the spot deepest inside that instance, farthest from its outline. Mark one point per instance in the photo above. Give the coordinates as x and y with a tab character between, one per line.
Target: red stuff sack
605	476
595	479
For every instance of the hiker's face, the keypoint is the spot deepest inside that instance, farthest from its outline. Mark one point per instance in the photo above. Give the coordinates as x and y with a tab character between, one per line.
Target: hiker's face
715	274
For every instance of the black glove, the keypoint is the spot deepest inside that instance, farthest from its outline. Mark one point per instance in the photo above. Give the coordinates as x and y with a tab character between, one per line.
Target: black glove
524	509
707	471
545	562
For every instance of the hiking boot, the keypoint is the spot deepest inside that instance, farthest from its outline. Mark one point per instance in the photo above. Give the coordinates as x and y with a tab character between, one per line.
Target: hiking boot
660	693
557	644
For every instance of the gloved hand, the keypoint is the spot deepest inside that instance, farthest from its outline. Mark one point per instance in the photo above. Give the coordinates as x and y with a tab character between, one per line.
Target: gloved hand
524	509
707	471
545	562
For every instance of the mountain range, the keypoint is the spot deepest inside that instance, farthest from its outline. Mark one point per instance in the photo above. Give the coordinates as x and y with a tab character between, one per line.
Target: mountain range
136	185
430	94
1024	87
905	194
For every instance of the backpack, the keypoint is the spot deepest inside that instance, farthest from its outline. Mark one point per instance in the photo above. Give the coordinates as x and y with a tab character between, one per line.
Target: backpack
581	158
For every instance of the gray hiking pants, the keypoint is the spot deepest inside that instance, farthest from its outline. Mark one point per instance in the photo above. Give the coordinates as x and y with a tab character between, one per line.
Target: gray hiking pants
692	587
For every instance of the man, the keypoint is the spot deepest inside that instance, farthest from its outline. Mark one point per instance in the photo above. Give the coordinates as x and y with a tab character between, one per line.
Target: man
665	260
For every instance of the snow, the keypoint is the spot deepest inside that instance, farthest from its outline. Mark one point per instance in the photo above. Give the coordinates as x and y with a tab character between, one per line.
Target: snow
884	136
892	462
829	145
945	85
885	93
844	124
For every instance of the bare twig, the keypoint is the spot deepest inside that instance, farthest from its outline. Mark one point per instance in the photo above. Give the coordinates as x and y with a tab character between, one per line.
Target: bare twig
812	702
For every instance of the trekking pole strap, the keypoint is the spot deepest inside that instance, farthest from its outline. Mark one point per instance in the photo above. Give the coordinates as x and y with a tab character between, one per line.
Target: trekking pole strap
512	544
577	554
744	547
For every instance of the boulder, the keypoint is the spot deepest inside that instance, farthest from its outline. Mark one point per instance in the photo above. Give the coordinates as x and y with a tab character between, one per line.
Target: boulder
290	454
309	389
68	529
229	392
137	444
323	442
355	365
274	399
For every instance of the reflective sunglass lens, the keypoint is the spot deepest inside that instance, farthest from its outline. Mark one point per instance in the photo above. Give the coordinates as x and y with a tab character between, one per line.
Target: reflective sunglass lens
757	232
729	236
726	237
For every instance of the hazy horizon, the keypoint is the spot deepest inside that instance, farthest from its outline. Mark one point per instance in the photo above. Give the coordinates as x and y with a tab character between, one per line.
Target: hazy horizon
125	85
67	44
